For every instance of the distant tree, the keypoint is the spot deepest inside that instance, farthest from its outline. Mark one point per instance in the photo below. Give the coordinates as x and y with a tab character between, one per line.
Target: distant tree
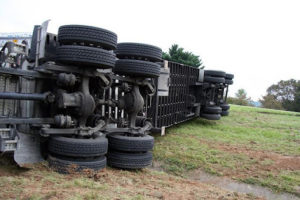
286	93
240	98
269	101
297	100
177	54
241	94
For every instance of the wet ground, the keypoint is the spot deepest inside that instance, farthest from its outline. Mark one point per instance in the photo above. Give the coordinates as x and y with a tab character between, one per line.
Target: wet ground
233	186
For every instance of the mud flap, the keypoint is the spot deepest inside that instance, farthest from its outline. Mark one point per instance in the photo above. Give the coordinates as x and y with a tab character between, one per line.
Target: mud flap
28	150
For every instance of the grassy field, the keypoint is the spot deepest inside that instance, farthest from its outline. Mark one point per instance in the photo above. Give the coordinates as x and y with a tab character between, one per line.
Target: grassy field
252	145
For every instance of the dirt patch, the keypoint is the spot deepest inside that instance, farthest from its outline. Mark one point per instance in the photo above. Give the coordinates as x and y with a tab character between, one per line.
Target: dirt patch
297	141
41	182
288	163
263	160
163	186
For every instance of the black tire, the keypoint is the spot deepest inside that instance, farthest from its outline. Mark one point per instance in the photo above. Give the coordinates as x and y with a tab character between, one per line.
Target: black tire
228	82
210	116
214	73
210	79
130	144
229	76
137	68
225	106
85	56
212	110
129	160
66	165
76	147
70	34
225	113
149	52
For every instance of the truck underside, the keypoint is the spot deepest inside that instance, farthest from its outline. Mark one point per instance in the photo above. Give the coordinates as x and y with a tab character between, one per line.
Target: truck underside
79	98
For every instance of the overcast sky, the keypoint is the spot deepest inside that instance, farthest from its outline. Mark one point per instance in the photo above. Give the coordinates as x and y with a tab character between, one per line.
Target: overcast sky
257	40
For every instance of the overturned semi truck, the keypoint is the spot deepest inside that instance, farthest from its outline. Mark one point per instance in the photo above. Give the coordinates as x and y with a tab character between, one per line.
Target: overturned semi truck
79	98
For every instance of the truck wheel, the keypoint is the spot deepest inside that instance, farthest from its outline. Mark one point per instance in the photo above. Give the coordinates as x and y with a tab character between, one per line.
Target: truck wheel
129	160
210	116
225	113
70	34
152	53
76	147
229	76
211	79
137	68
225	106
130	144
68	165
85	56
228	82
214	73
212	110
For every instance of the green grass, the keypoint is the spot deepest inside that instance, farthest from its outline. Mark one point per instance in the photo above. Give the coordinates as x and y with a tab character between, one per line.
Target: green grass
221	147
284	181
276	131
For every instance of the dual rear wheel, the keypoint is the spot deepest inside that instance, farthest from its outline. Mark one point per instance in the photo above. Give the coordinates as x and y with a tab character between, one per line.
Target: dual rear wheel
67	154
128	152
86	46
138	60
211	112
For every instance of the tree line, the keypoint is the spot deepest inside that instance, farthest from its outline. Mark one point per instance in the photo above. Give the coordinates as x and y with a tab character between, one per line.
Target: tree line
284	95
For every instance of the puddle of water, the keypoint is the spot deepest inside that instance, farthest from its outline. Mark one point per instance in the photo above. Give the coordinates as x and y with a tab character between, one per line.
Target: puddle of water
231	185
